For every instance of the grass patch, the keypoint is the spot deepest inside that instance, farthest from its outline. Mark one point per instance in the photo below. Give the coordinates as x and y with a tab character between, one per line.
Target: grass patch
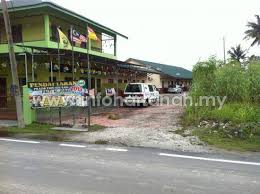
235	112
243	134
221	140
37	131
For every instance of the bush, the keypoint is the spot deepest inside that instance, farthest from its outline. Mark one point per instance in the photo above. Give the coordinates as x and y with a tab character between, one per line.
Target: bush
254	78
238	84
232	81
203	78
237	113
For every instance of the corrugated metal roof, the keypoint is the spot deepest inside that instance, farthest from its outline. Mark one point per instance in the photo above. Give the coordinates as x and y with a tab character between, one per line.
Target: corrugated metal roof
174	71
25	4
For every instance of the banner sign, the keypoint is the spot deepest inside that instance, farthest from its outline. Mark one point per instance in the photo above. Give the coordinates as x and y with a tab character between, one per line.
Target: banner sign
57	94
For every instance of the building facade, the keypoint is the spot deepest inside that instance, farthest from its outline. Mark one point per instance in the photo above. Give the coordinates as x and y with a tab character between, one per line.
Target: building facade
41	59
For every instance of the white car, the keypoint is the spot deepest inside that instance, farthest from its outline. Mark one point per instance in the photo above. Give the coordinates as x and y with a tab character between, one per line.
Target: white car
140	94
175	89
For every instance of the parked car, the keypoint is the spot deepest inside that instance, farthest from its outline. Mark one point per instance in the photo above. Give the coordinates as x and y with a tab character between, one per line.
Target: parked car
175	89
140	94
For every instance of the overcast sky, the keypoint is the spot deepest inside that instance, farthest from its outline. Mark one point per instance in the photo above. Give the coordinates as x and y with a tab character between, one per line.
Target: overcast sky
177	33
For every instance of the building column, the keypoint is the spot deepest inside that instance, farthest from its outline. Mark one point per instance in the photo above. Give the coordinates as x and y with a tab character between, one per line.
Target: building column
47	27
115	46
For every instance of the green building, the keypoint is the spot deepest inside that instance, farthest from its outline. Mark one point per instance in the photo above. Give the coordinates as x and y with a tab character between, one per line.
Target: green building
40	58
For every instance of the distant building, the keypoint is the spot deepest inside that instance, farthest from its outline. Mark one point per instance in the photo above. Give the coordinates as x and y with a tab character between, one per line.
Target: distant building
167	75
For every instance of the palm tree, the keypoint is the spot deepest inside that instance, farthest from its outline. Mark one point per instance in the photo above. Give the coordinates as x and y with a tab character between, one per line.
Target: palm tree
237	53
254	31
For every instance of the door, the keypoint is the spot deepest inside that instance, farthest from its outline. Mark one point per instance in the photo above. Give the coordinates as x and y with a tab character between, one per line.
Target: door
152	93
3	93
98	85
93	83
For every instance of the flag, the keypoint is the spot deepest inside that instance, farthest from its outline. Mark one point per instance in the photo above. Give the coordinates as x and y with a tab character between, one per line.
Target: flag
91	34
64	41
77	37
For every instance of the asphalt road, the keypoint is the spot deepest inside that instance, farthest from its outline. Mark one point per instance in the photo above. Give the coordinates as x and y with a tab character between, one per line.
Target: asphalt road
51	167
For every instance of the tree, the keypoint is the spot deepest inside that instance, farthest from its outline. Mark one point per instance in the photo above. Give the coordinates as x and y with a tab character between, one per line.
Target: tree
254	31
237	53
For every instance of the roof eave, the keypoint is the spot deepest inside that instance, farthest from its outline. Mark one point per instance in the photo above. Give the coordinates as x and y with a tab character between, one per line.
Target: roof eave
66	11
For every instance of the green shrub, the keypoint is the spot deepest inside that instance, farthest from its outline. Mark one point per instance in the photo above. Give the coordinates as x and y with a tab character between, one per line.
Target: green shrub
237	113
232	81
254	78
203	78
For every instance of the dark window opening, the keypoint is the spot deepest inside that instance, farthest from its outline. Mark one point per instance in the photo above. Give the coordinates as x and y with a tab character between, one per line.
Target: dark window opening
150	88
17	33
134	88
54	33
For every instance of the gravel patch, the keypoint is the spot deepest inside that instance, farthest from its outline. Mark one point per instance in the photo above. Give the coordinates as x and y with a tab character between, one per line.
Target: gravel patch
145	137
144	127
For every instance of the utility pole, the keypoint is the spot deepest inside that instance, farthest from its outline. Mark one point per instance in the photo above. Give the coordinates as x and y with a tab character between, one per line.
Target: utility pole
15	80
224	49
89	81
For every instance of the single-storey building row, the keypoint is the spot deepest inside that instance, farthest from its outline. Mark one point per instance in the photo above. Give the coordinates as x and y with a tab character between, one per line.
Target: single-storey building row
168	75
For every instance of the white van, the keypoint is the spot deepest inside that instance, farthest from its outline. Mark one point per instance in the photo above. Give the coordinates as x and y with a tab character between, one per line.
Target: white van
140	94
155	95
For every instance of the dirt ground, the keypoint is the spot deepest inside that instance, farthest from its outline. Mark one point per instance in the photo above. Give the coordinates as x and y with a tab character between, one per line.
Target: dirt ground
152	126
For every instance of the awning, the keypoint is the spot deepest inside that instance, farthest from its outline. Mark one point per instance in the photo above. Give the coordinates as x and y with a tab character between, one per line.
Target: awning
93	59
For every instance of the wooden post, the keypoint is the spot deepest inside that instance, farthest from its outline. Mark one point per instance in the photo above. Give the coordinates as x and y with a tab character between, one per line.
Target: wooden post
15	79
32	65
73	56
117	86
89	80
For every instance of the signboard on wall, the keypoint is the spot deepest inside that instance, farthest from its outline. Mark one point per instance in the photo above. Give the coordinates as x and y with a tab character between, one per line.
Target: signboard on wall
57	94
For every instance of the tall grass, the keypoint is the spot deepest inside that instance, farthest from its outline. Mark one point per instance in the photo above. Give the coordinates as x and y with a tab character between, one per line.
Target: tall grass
240	85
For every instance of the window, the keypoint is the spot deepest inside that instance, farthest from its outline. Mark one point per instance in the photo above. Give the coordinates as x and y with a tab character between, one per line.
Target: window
54	33
17	33
110	81
120	81
134	88
125	81
143	81
150	88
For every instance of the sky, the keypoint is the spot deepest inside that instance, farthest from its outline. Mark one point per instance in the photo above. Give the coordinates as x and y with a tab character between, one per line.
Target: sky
172	32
